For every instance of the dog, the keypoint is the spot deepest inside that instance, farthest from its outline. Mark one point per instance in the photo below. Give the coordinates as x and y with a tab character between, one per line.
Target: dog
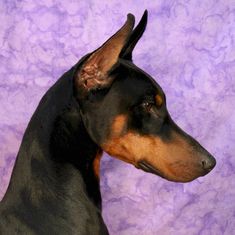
103	103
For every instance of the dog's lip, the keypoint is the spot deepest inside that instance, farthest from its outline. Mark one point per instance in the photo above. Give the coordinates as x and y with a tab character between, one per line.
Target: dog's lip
147	167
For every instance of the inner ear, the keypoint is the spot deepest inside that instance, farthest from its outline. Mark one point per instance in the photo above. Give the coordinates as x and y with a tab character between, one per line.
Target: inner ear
94	72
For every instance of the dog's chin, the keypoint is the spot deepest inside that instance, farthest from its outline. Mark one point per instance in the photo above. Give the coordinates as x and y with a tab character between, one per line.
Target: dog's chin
145	166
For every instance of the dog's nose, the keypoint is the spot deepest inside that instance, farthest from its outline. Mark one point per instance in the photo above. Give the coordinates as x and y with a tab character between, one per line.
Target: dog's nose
208	163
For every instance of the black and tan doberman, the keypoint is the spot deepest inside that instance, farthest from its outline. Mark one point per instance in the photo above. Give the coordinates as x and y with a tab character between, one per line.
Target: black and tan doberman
103	103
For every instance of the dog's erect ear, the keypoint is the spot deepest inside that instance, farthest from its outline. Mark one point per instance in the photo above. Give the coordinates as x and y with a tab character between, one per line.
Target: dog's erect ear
94	71
126	52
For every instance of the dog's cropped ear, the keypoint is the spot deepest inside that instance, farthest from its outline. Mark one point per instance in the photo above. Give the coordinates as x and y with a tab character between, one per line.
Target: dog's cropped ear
126	52
93	74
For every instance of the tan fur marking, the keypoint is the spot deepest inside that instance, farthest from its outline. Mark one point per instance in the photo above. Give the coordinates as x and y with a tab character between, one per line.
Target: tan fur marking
131	147
175	159
96	164
118	125
159	100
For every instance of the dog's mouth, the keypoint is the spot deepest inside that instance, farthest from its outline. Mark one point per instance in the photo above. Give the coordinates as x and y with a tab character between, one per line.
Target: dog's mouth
145	166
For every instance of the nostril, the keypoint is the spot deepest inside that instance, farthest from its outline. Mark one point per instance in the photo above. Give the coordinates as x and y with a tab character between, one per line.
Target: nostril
204	164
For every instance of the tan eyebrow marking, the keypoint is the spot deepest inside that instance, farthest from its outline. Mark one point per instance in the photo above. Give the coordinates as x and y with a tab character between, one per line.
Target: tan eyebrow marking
158	100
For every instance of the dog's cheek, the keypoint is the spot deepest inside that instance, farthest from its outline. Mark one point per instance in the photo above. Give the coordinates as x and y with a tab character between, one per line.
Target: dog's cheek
131	147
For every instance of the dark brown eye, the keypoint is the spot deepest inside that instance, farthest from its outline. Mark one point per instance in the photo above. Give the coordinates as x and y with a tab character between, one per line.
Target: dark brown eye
147	106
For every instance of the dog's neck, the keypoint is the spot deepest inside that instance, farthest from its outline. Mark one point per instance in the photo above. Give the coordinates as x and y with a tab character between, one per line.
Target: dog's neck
56	158
71	144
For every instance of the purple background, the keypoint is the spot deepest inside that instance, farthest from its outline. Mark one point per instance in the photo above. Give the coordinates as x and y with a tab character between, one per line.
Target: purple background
188	47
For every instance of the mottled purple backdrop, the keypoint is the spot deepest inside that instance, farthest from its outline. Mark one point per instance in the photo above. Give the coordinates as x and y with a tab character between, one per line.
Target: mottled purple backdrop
189	47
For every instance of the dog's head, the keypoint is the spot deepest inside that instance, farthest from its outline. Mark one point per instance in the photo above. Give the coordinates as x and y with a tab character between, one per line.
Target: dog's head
124	111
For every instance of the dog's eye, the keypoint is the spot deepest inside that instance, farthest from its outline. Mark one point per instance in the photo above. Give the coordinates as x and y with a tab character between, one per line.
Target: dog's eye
148	105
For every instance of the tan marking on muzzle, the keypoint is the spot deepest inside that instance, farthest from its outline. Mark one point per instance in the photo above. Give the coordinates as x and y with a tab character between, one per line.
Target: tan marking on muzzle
176	158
